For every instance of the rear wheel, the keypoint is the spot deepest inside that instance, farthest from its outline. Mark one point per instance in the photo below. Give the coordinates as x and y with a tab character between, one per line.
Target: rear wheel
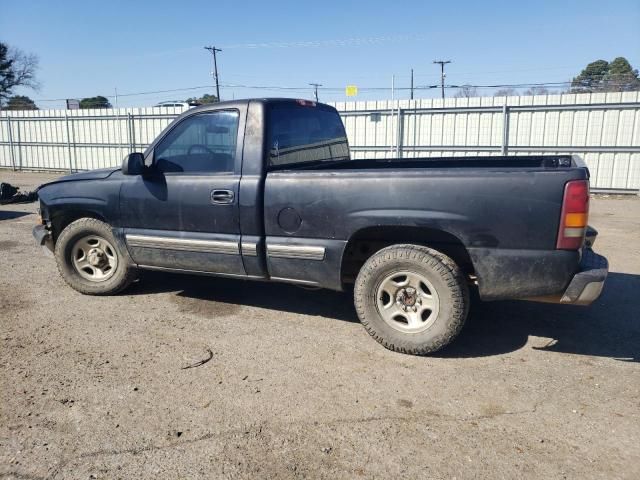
90	260
411	299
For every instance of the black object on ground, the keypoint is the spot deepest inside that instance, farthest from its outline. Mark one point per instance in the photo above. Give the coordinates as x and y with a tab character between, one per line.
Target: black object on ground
11	194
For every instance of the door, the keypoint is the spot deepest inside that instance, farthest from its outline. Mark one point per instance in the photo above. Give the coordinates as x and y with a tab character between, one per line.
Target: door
184	214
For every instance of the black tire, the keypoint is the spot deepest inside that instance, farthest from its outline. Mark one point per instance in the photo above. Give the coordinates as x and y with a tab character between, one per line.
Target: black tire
121	276
442	273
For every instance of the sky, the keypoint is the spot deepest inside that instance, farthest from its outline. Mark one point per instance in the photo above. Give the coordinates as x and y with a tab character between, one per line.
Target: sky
89	48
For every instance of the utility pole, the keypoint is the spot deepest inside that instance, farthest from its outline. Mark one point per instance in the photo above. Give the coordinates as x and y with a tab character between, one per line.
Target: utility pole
412	84
213	50
315	89
442	64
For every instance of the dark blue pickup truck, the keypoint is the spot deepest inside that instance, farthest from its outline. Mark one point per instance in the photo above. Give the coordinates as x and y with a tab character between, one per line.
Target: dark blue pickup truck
266	190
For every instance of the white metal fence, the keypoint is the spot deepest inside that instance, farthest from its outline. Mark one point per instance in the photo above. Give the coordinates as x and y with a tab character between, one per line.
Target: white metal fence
78	139
603	128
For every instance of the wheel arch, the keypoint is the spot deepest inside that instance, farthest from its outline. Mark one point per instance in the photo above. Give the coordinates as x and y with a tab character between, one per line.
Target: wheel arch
367	241
61	218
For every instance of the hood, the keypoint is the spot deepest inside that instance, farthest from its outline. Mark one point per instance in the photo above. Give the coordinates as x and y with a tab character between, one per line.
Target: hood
98	174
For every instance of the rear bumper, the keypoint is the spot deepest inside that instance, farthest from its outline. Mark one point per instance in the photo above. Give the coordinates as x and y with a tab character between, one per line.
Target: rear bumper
586	285
43	239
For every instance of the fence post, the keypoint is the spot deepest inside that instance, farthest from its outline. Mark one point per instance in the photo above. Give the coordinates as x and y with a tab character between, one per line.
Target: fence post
505	130
66	123
13	159
121	143
399	132
390	123
19	142
73	142
131	130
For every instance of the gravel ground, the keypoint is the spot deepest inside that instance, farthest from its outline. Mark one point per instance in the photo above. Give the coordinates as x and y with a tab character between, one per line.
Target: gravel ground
96	387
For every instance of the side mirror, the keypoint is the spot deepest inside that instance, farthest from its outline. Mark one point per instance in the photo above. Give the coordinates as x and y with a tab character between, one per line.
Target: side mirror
133	164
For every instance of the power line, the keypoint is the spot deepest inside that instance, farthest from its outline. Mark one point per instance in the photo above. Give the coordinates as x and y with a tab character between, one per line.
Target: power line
128	94
328	88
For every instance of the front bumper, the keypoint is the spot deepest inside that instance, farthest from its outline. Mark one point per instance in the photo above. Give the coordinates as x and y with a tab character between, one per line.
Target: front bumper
43	239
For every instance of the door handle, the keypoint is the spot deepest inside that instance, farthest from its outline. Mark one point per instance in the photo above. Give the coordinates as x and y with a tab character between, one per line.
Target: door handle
222	197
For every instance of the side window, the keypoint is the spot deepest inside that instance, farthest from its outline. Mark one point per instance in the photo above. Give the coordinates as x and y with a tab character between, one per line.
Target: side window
205	142
299	134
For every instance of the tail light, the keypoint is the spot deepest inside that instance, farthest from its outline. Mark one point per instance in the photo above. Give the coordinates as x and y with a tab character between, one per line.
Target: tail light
575	213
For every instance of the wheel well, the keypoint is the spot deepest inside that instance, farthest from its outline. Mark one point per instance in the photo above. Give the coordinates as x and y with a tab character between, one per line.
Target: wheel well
368	241
59	222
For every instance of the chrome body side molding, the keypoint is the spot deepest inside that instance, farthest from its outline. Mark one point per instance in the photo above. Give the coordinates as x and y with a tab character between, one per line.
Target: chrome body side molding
303	252
183	244
249	249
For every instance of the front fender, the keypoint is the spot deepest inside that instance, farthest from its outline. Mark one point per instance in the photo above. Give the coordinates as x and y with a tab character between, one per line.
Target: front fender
97	199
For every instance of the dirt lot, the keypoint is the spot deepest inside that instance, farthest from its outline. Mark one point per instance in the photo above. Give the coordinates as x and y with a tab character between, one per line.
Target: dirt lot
95	387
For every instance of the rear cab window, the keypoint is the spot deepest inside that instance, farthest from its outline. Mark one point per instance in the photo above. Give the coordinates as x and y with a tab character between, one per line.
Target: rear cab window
303	134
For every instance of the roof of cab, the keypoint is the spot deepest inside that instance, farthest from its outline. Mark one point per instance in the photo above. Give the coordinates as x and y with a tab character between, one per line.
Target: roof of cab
245	101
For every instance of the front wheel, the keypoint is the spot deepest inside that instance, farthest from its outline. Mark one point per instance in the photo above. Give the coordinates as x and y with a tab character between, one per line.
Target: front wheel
411	299
90	260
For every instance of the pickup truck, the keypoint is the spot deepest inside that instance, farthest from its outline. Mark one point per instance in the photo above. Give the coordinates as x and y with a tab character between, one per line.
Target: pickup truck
266	190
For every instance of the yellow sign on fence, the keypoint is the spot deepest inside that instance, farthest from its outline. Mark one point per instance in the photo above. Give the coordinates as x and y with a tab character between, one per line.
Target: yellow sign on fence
351	91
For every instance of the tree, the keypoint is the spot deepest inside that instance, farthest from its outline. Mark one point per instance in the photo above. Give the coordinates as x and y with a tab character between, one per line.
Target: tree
203	100
466	91
506	92
602	76
17	69
590	79
95	102
20	102
537	91
622	76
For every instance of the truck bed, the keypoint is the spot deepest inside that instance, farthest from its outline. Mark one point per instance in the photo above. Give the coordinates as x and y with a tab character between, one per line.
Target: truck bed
498	215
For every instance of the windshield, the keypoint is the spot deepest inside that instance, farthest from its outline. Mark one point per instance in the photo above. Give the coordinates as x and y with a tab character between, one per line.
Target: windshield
305	134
